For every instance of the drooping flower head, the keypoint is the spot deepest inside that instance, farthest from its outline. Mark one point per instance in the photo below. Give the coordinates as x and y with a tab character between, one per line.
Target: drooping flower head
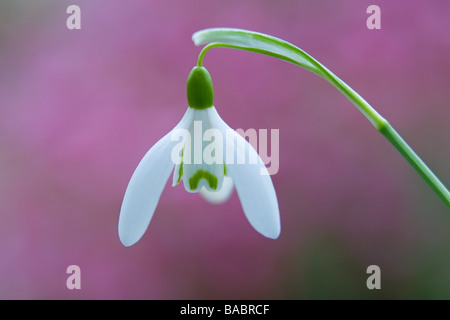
210	158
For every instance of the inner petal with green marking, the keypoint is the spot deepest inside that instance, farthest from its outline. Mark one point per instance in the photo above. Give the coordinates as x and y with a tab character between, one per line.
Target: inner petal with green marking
201	159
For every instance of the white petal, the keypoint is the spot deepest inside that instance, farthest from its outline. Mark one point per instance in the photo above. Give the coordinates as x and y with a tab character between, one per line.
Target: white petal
145	188
202	155
253	184
221	195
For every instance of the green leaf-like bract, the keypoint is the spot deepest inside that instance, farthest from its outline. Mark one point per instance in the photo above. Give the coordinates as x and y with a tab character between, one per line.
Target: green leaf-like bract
257	42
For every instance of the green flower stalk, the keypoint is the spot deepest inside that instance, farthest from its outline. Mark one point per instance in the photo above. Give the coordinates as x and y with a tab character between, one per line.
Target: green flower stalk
277	48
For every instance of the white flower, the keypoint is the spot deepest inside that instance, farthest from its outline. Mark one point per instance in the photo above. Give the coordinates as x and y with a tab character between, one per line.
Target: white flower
208	156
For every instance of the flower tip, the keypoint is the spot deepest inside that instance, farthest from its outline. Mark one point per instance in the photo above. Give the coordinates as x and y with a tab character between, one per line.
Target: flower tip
129	234
220	196
268	226
126	244
272	232
274	235
127	239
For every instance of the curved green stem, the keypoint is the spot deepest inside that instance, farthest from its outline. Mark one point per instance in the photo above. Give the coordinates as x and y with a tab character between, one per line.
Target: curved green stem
280	49
417	163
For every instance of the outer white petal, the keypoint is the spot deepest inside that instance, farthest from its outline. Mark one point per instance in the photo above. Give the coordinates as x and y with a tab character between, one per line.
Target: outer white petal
145	188
253	185
221	195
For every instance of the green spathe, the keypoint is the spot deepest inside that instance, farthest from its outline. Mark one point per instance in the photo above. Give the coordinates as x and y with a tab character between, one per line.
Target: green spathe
199	89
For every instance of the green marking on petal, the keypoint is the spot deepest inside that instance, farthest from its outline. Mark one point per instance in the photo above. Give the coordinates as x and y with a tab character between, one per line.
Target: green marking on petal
201	174
224	170
180	169
180	172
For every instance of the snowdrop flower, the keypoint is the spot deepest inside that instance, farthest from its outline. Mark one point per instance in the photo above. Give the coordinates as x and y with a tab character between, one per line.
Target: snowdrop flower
210	158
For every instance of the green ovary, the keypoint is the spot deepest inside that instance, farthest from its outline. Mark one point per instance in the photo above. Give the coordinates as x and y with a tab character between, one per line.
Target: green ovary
201	174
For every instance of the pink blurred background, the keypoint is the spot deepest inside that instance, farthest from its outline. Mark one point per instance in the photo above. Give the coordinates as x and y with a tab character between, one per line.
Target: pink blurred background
78	110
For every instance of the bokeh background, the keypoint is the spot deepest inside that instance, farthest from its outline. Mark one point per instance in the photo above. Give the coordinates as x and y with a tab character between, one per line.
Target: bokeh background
79	108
